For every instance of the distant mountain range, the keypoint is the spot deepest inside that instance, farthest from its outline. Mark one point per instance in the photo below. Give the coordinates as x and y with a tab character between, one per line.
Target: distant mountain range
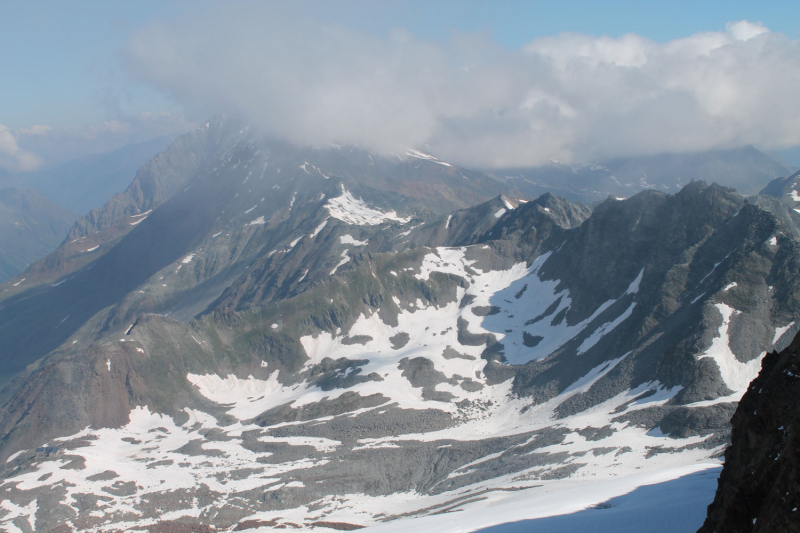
88	182
257	335
31	226
37	209
745	169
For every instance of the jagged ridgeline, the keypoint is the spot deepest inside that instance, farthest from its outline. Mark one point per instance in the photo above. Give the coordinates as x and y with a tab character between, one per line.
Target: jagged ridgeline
259	335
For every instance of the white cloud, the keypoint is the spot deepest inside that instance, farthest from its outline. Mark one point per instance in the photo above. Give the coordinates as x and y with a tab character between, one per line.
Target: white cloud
12	156
570	97
36	129
744	30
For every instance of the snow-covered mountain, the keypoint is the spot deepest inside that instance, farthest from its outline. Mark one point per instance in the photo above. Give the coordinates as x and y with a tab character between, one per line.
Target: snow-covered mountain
256	335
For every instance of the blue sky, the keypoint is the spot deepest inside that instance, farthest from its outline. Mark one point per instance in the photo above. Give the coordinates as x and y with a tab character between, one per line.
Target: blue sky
61	64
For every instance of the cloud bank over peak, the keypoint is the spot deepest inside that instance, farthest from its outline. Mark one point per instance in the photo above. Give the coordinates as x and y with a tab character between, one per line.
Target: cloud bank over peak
569	97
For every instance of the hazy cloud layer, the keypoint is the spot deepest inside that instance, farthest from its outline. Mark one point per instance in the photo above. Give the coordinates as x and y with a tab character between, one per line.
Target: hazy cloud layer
56	145
569	97
12	156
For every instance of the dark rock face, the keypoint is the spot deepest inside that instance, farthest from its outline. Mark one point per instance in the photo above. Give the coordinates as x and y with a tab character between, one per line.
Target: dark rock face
421	373
759	489
347	402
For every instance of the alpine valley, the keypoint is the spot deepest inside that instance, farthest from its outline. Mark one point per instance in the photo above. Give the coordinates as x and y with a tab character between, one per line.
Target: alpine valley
257	336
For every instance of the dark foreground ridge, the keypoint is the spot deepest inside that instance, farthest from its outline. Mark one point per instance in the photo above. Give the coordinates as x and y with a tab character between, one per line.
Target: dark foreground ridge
759	489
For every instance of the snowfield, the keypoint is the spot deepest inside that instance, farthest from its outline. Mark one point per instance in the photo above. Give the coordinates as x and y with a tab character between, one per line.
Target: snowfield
673	500
355	211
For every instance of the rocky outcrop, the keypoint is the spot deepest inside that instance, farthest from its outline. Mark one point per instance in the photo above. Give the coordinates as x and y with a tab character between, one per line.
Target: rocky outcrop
759	489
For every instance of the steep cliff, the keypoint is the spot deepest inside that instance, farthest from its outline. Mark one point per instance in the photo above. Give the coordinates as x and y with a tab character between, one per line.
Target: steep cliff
759	489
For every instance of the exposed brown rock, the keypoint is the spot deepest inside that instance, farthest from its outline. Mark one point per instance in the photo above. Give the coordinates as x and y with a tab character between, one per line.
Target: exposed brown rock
253	524
341	526
179	527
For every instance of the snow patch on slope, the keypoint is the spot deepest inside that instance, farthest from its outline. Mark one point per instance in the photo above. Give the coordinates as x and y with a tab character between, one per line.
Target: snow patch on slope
352	210
516	317
345	259
602	330
348	239
318	228
426	157
736	375
779	332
